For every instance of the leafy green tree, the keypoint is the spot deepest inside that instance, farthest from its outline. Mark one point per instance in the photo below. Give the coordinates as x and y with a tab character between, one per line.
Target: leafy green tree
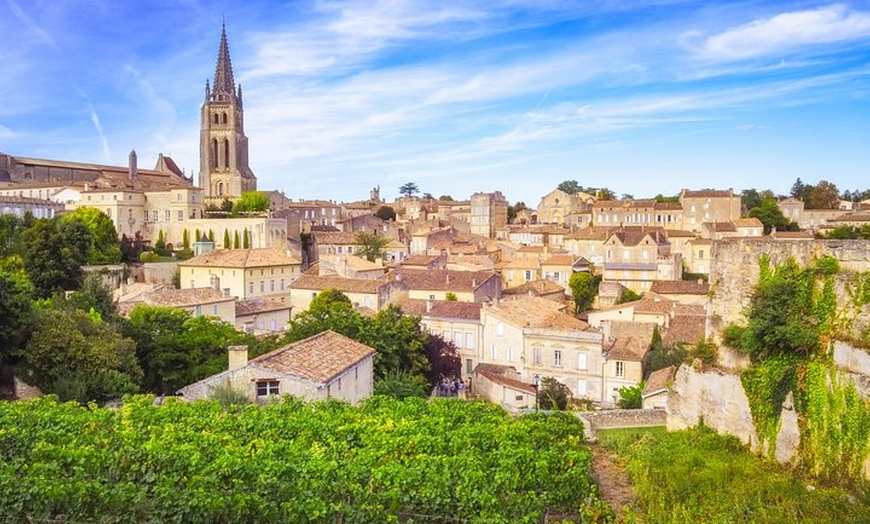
160	245
16	296
94	294
569	186
450	296
552	394
630	396
399	340
226	206
386	213
176	349
55	253
769	213
12	235
443	357
849	233
661	356
402	385
132	248
105	247
72	355
371	245
211	235
329	310
445	198
409	189
584	288
628	296
251	202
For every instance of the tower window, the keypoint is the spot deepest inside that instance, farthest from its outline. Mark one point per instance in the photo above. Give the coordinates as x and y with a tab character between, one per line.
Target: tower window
214	152
224	118
215	118
226	153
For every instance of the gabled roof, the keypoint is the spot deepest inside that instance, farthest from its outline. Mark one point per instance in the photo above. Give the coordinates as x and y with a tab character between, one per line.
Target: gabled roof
320	358
708	193
536	312
536	288
748	222
503	375
685	328
251	307
442	279
658	381
454	309
344	238
680	287
627	348
345	285
185	297
721	227
242	258
633	236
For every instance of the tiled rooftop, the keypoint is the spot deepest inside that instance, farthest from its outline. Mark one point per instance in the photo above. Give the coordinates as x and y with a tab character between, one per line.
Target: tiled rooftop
680	287
242	258
659	380
345	285
319	358
627	348
536	312
185	297
442	279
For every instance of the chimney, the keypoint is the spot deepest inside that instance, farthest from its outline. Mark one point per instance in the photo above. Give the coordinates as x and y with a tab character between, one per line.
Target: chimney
132	165
237	356
428	306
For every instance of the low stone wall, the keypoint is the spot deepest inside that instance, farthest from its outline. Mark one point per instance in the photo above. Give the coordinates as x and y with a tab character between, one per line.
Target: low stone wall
593	421
159	272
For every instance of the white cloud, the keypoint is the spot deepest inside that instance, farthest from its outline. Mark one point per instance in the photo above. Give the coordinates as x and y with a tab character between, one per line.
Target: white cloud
786	31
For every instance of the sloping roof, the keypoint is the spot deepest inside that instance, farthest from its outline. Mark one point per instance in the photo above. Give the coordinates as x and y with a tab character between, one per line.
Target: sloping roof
503	375
627	348
454	309
632	236
344	238
659	380
747	222
708	193
242	258
680	287
684	328
721	227
319	358
592	233
442	279
561	259
536	287
345	285
536	312
185	297
251	307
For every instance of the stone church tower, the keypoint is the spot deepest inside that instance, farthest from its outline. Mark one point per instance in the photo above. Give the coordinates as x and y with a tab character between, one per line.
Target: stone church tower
223	146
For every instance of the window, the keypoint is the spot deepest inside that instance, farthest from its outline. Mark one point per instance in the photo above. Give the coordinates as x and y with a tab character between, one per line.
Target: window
181	215
250	288
469	340
198	311
537	356
581	361
446	335
262	286
457	338
271	285
701	253
156	215
557	357
620	369
214	309
493	352
499	329
510	353
249	328
528	275
167	215
267	387
273	325
469	366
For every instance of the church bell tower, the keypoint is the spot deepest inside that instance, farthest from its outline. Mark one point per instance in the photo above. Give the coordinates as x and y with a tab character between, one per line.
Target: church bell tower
223	146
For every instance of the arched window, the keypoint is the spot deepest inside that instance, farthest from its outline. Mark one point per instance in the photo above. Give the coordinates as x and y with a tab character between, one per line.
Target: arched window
214	153
220	188
215	118
224	118
226	153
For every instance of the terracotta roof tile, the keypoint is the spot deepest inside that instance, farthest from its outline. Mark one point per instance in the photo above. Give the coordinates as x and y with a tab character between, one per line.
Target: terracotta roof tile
627	348
684	328
250	307
680	287
345	285
504	375
536	312
443	279
454	309
538	287
659	380
185	297
242	258
320	358
708	193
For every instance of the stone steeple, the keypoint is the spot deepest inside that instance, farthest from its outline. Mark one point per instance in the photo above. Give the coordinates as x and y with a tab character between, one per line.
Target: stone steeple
223	170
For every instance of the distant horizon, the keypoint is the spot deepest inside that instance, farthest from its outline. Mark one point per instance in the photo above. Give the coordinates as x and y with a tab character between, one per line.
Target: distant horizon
344	96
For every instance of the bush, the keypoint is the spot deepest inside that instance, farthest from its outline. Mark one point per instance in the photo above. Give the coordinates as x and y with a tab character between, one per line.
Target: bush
228	396
553	394
706	352
148	256
630	396
402	385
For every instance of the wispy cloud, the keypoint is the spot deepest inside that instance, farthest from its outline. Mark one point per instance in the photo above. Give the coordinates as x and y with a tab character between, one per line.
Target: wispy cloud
30	24
787	31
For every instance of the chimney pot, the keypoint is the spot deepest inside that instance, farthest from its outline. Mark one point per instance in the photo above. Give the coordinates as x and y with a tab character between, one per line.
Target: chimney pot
237	357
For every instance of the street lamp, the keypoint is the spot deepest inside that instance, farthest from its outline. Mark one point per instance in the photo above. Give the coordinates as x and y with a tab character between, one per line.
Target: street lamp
537	386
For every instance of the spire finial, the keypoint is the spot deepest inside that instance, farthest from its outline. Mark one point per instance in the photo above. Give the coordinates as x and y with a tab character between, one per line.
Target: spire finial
223	73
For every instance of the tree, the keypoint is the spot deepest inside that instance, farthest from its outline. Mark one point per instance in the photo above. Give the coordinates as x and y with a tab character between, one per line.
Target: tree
660	198
409	189
251	202
16	296
77	358
227	244
54	255
628	296
160	245
824	195
386	213
104	247
443	357
450	296
402	385
553	394
569	186
11	235
236	242
371	245
399	340
769	213
428	196
94	295
630	396
752	198
798	189
329	310
185	242
246	239
584	288
445	198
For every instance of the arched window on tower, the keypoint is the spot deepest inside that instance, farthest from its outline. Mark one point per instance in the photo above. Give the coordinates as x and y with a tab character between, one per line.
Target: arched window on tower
224	118
215	119
226	153
220	188
214	153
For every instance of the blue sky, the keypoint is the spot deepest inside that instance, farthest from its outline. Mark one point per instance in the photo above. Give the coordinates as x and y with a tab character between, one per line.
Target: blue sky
456	96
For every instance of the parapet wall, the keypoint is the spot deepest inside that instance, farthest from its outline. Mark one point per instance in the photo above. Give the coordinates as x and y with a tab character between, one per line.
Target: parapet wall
734	269
621	418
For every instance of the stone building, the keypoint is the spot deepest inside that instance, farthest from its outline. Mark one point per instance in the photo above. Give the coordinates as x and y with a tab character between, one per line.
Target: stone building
223	146
488	213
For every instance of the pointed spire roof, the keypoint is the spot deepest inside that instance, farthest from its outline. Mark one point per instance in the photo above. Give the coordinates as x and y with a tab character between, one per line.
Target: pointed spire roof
223	72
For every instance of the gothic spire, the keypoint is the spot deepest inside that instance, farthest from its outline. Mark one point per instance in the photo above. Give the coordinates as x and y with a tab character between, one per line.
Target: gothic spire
223	72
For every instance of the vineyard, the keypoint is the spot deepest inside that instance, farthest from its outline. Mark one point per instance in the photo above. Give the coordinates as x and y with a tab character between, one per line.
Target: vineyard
384	461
